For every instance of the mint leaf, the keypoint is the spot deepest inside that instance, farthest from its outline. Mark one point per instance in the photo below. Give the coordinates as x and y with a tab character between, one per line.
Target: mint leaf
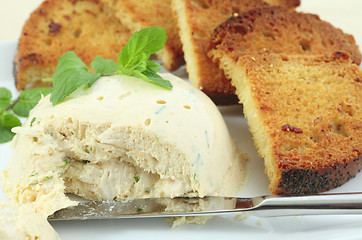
133	73
157	79
144	42
28	99
140	62
70	74
153	66
104	66
6	135
133	59
5	98
32	121
7	122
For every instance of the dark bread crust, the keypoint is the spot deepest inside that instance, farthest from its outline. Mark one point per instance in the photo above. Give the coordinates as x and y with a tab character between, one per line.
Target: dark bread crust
305	113
296	181
86	27
278	30
222	100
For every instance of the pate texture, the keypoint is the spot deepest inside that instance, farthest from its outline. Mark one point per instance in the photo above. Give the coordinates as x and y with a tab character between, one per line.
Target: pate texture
123	138
20	222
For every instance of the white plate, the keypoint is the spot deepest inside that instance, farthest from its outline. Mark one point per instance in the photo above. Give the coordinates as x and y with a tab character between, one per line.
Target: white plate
224	227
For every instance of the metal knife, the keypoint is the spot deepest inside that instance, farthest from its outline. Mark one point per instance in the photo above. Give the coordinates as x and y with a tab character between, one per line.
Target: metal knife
264	206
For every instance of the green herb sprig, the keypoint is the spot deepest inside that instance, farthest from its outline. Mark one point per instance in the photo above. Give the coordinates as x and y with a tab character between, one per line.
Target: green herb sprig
11	110
71	73
136	178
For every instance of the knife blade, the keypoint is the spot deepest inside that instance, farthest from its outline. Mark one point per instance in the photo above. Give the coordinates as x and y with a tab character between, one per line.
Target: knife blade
263	206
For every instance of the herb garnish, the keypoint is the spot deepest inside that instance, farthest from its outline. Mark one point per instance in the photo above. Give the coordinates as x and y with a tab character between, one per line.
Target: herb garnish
137	178
34	174
66	161
195	178
21	107
32	121
28	99
71	73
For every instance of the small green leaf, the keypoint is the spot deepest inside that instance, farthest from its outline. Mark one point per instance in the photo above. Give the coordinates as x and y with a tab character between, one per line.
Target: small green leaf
144	42
137	178
153	66
32	121
140	63
133	73
5	98
104	66
157	79
28	99
7	122
133	59
70	74
66	161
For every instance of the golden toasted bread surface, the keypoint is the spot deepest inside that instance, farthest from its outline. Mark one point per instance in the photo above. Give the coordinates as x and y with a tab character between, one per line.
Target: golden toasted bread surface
305	114
275	29
86	27
286	3
197	19
145	13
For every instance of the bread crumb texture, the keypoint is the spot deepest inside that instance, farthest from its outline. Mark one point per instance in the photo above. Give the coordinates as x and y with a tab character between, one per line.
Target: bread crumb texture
86	27
305	114
197	20
277	30
123	138
145	13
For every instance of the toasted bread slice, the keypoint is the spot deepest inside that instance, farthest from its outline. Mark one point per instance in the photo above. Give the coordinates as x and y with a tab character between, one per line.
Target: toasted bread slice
305	114
275	29
86	27
197	19
144	13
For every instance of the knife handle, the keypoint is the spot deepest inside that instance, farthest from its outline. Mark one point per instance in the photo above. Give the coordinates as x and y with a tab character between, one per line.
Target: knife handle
325	204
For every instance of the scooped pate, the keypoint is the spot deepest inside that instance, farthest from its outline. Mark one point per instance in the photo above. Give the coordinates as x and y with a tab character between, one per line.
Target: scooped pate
21	222
123	138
